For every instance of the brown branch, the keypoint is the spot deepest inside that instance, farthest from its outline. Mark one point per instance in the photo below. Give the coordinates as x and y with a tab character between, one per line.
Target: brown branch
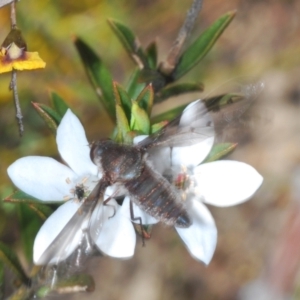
13	87
168	66
13	82
13	18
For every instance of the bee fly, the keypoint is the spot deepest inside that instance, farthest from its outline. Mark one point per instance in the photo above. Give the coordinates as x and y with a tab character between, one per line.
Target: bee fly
129	166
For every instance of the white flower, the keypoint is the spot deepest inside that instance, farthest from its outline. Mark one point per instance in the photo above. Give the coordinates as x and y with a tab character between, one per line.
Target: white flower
48	180
220	183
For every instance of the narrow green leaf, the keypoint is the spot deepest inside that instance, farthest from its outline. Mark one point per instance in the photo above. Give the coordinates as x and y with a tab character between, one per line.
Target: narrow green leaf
76	283
50	116
158	126
42	210
122	125
169	115
2	283
145	99
10	259
134	86
178	89
202	45
151	52
43	291
122	99
30	224
23	293
217	102
59	104
154	77
130	43
139	119
219	150
98	74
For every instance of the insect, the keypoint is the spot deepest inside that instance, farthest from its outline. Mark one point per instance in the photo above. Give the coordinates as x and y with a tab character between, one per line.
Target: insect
129	167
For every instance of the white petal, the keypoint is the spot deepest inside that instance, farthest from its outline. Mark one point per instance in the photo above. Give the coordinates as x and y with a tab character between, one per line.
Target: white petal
73	145
190	113
225	183
139	138
49	231
196	117
192	156
117	236
160	159
138	213
41	177
201	237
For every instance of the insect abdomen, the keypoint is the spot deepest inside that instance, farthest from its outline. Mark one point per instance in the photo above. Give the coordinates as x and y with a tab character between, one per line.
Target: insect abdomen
155	195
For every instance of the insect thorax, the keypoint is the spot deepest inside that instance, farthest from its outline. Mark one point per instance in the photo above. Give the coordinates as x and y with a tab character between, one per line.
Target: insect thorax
118	162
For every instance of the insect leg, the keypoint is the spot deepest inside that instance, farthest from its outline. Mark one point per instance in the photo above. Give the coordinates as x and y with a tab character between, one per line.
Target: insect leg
139	219
105	202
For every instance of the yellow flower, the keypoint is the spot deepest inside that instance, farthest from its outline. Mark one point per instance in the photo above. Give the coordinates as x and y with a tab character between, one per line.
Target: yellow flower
13	54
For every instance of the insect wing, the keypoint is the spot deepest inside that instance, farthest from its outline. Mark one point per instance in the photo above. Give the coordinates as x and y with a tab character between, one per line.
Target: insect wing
111	229
233	114
191	127
206	118
72	233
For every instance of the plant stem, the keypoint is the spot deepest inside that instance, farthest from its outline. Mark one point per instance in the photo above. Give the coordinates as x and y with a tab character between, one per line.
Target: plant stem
13	82
13	87
168	66
13	18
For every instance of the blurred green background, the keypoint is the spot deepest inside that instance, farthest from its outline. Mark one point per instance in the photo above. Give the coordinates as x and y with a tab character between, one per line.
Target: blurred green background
262	41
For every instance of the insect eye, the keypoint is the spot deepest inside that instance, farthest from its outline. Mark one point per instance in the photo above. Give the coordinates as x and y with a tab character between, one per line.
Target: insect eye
92	152
98	148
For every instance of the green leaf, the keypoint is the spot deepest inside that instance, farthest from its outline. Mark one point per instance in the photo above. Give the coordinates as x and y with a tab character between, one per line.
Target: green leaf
130	43
74	284
158	126
42	210
134	86
59	104
99	76
178	89
50	116
220	150
154	77
202	45
122	126
43	291
145	99
151	52
122	99
23	293
169	115
2	282
77	282
10	259
218	102
139	119
30	224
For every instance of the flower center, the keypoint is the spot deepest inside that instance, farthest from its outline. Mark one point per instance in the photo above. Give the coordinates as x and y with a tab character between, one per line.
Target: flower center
14	52
81	189
180	177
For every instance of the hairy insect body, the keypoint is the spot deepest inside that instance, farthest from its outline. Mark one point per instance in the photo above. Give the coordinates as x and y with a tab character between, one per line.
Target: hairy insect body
148	189
118	163
155	195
